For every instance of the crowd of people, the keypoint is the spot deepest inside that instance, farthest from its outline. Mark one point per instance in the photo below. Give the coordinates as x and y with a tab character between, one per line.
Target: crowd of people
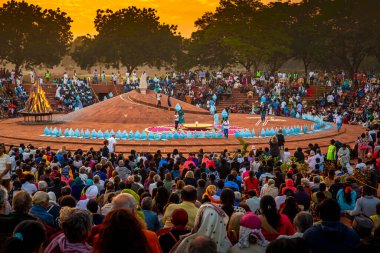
265	201
73	94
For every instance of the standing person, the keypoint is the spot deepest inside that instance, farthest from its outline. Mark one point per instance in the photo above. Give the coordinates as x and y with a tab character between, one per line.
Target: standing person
113	78
226	127
5	167
158	96
103	77
362	146
32	76
263	112
176	120
112	144
338	121
343	155
331	151
274	147
181	114
169	103
281	144
47	76
95	77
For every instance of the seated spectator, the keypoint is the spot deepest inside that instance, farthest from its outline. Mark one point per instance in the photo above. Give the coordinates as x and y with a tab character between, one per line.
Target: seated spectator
189	197
168	240
91	193
210	195
76	224
22	203
269	189
289	184
122	228
253	202
346	198
29	185
366	204
273	224
250	237
211	222
28	237
301	223
202	244
293	245
150	217
93	208
331	235
40	202
227	200
233	227
122	224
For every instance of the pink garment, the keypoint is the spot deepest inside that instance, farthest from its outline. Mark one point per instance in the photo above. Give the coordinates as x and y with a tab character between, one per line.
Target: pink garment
61	244
189	161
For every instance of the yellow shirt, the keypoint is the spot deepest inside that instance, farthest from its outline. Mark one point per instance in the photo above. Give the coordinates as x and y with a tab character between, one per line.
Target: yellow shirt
189	207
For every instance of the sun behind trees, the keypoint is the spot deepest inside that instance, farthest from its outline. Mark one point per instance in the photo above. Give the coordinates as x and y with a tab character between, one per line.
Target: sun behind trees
129	37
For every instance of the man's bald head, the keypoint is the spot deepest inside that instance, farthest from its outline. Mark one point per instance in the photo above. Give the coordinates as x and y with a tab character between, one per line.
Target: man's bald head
124	201
202	244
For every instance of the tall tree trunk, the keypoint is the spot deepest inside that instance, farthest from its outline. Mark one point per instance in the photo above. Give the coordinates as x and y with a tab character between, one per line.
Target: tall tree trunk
306	69
130	68
17	69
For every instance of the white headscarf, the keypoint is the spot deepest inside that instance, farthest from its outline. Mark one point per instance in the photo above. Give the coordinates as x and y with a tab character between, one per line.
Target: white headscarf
91	193
211	222
244	234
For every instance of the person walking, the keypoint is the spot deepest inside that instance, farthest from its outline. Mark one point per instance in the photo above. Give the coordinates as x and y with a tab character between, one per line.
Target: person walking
176	120
226	127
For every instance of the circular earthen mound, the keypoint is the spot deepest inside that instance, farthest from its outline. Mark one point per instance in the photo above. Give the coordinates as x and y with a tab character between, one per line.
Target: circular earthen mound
134	111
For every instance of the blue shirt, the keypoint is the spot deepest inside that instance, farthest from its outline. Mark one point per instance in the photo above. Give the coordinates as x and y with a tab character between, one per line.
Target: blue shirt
231	185
102	175
162	162
151	220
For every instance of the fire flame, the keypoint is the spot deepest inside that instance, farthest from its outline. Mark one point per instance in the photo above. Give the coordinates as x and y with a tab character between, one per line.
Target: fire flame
37	102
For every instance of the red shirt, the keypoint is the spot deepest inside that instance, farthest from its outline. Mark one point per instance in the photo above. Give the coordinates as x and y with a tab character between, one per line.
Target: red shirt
251	184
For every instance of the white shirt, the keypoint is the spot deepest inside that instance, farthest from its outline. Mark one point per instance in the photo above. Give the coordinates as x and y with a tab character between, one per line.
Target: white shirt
286	156
226	124
29	187
111	142
360	165
253	203
4	160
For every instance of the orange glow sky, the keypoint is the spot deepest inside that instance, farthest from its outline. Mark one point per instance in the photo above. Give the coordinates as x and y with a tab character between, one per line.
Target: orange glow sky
179	12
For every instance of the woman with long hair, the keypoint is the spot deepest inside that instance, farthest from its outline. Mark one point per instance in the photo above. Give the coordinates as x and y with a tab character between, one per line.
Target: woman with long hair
273	224
346	198
121	230
227	199
290	208
160	200
149	180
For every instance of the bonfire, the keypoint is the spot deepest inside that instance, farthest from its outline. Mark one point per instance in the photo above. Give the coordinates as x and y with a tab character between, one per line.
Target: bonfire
37	102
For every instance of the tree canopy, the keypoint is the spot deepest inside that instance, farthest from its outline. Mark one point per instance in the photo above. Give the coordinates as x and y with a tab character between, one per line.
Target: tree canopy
30	35
327	34
130	37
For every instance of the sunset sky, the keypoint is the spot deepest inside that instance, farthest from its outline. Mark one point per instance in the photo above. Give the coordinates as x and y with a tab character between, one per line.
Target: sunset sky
179	12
